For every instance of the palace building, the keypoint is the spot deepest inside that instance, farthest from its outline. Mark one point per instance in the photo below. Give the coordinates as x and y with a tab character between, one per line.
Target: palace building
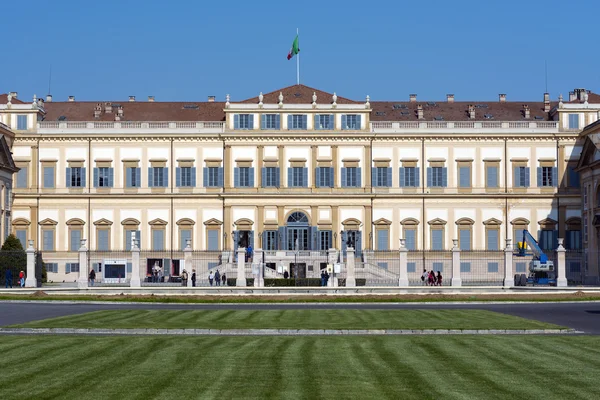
298	168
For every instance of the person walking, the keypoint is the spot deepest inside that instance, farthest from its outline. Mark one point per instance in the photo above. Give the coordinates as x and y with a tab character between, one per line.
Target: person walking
431	278
249	251
326	277
22	279
184	278
9	278
193	278
210	278
92	277
217	278
224	279
439	279
322	277
424	277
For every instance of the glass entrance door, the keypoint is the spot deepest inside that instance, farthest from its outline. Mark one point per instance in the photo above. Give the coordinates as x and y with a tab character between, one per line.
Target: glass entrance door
300	235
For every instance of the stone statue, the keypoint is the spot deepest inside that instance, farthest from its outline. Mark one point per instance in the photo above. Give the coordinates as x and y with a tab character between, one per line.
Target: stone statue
9	97
260	97
368	102
280	97
334	98
314	97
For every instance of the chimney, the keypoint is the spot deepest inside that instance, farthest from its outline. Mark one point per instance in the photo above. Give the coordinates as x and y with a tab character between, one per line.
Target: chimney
131	98
151	99
49	98
580	94
97	110
526	111
71	98
120	111
413	98
14	95
572	96
211	99
471	111
502	98
108	108
420	111
546	102
450	98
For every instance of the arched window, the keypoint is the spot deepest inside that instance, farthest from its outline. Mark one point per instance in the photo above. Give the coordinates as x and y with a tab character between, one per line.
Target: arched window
297	217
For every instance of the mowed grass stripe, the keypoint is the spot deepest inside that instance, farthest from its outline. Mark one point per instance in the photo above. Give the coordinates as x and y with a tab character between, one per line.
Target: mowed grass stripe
452	367
293	319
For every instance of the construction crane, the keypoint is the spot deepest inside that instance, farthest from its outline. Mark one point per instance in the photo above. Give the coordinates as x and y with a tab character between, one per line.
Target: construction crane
541	270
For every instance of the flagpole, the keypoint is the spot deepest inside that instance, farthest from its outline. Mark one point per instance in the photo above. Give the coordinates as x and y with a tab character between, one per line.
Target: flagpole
298	61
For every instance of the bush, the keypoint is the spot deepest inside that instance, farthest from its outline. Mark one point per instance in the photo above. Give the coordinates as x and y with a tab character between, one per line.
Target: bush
13	257
232	281
359	282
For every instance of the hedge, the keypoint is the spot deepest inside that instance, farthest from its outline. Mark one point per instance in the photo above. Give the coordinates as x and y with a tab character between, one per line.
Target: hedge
301	282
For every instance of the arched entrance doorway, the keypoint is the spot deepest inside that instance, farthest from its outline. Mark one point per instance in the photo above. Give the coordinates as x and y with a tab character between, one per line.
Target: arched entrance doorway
297	231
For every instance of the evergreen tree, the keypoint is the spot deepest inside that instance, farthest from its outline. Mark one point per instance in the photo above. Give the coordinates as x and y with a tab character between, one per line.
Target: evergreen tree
12	256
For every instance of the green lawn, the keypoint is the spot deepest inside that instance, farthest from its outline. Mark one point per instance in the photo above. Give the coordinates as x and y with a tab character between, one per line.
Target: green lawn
293	319
416	367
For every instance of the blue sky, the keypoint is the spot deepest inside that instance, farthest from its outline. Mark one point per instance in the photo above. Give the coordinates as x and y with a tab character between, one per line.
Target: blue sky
186	49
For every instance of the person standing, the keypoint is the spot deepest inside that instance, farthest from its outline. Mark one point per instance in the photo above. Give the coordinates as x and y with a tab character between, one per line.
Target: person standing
424	277
439	279
184	278
224	279
22	279
285	274
323	278
249	251
160	275
326	277
210	278
92	277
193	278
9	278
217	278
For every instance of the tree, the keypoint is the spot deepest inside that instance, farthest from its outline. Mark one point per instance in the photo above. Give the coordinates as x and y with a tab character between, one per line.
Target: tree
12	256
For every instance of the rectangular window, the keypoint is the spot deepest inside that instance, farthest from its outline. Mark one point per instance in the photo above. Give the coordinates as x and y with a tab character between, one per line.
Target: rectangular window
324	240
352	122
297	177
243	177
133	177
76	177
465	267
71	267
492	267
75	239
128	235
48	239
158	239
213	239
324	121
547	176
270	177
103	177
270	240
48	177
573	240
382	177
158	177
546	239
521	177
184	236
243	121
213	177
52	267
521	267
22	181
573	177
491	176
464	236
103	240
438	266
270	121
351	177
22	236
437	239
491	239
297	121
324	177
464	177
575	267
22	122
573	121
185	177
411	267
410	236
437	177
383	239
409	177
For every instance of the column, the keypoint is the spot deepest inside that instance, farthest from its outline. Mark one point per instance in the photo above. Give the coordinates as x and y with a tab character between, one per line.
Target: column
241	267
335	227
350	274
509	279
403	278
561	269
332	255
334	164
82	282
257	260
369	229
30	279
368	167
260	224
456	280
282	166
259	165
313	164
227	167
228	240
188	265
135	280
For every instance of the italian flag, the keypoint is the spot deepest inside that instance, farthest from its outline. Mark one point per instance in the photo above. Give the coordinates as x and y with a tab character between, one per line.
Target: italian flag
294	50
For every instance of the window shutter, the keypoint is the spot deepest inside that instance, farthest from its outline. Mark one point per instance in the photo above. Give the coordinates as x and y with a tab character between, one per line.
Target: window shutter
429	176
331	121
193	172
68	268
220	177
96	180
178	176
358	122
444	177
410	236
138	238
263	176
263	121
465	239
281	236
68	177
304	177
213	240
83	177
290	181
436	239
402	177
205	176
111	177
358	177
103	239
165	172
382	239
251	121
290	125
158	238
236	121
344	177
277	122
318	177
358	244
374	177
251	177
128	172
150	177
236	177
344	122
305	121
278	177
22	178
316	126
492	177
331	182
138	177
539	176
492	239
128	240
417	176
554	176
75	239
184	236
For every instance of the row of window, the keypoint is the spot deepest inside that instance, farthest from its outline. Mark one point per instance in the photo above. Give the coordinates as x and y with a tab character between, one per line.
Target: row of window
297	177
297	121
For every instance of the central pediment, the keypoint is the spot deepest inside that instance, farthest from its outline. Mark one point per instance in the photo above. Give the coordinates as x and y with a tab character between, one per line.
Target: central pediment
299	94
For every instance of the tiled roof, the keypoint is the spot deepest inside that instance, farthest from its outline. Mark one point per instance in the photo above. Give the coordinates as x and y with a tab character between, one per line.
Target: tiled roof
592	98
4	99
299	94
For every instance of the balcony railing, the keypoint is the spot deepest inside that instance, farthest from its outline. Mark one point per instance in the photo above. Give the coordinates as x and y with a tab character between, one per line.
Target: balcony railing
403	126
166	126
